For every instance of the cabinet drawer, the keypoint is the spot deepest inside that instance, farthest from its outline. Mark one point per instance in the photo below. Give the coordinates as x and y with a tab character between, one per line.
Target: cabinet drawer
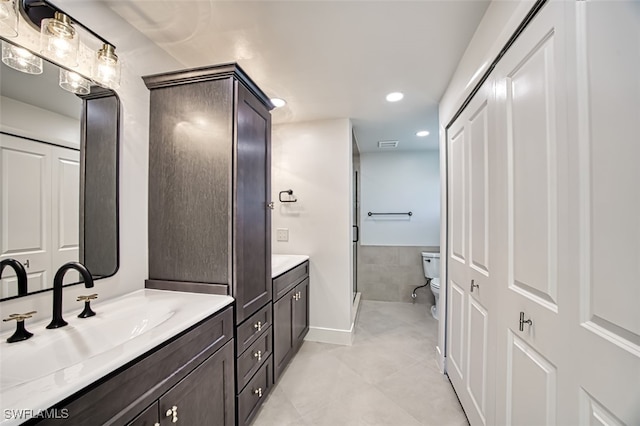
256	391
251	360
249	331
288	280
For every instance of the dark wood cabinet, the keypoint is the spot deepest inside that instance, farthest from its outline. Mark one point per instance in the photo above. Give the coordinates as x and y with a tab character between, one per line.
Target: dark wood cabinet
206	396
209	185
149	417
290	316
193	371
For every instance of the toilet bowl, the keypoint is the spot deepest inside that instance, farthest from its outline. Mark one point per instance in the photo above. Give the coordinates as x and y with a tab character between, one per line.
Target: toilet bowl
435	289
431	267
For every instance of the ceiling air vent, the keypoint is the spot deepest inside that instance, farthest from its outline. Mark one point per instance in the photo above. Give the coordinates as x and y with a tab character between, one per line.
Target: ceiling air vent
387	144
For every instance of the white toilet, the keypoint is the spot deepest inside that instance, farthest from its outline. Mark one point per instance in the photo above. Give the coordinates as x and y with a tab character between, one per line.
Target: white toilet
431	266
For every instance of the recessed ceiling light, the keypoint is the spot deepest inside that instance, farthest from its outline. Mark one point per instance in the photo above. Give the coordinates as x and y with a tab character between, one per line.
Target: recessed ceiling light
422	133
394	96
277	102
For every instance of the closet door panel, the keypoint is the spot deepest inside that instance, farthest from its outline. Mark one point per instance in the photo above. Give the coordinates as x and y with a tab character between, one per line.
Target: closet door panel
478	188
532	175
25	203
531	385
457	196
477	362
607	330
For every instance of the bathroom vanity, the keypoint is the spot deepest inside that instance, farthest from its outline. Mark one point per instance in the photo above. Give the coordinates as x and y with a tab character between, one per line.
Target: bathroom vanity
148	354
290	307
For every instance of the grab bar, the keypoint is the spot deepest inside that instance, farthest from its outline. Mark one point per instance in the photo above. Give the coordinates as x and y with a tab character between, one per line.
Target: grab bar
378	214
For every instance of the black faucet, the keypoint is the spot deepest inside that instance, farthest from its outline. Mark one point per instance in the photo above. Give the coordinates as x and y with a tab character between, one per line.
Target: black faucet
21	274
57	320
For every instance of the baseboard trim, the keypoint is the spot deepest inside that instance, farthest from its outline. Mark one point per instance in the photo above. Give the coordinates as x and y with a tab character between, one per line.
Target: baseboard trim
331	335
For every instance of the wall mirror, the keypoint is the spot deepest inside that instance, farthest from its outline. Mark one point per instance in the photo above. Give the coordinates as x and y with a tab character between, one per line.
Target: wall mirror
58	177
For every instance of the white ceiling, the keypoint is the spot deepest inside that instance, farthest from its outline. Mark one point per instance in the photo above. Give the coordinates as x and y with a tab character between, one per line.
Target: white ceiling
328	59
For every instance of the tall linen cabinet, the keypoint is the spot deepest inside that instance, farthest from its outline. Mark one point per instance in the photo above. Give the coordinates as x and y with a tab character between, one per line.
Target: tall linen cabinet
209	205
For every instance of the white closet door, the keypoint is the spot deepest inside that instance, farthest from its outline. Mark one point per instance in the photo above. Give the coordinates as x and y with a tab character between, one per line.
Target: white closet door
65	209
25	197
605	326
532	225
471	290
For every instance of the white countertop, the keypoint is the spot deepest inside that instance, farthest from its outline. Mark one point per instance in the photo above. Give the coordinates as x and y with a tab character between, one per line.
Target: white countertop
36	374
281	263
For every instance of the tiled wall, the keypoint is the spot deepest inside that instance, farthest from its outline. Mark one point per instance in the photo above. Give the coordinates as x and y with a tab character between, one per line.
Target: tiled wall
390	273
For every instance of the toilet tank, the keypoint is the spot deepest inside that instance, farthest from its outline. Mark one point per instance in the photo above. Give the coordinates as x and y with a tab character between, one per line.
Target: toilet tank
431	264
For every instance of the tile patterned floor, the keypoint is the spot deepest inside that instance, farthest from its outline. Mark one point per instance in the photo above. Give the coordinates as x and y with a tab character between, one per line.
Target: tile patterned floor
389	376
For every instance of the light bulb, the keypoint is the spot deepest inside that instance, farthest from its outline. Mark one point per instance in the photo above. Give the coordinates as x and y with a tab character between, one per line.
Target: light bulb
21	59
9	18
74	82
107	67
58	39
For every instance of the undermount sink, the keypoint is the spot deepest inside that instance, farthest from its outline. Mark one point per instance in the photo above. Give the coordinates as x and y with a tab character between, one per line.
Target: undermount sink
82	339
53	364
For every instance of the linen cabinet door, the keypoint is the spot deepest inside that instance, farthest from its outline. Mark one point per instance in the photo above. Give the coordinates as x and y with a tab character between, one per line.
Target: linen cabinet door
252	216
206	396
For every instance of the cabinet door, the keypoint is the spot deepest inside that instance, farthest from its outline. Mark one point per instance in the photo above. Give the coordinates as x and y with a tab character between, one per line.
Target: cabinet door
148	417
252	217
282	333
300	320
204	397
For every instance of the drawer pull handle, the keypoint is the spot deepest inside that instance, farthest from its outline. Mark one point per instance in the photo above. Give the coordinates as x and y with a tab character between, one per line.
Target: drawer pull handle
258	326
258	392
258	355
173	412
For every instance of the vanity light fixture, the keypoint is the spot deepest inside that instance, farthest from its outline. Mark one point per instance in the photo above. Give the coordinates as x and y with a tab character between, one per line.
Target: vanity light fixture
59	39
394	96
74	82
277	102
21	59
106	70
422	133
9	18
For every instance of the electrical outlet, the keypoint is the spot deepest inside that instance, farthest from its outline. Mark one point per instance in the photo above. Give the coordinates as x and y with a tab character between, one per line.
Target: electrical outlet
282	234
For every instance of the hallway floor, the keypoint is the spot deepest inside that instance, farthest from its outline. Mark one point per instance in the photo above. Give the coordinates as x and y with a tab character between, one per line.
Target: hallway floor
389	376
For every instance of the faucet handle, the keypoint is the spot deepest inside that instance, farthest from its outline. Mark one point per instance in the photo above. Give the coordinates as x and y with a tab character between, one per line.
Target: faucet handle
20	317
87	298
87	312
21	332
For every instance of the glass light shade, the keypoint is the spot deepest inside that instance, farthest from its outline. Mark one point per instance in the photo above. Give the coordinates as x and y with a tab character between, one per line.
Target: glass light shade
59	40
74	83
9	18
21	59
106	68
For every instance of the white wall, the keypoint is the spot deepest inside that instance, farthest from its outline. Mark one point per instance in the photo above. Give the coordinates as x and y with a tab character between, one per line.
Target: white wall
32	122
497	25
400	182
139	58
314	160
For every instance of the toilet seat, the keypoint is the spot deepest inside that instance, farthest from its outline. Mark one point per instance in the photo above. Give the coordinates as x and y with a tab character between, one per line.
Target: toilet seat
435	282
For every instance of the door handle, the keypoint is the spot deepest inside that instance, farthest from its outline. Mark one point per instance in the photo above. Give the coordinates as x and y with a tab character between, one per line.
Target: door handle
524	321
473	285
